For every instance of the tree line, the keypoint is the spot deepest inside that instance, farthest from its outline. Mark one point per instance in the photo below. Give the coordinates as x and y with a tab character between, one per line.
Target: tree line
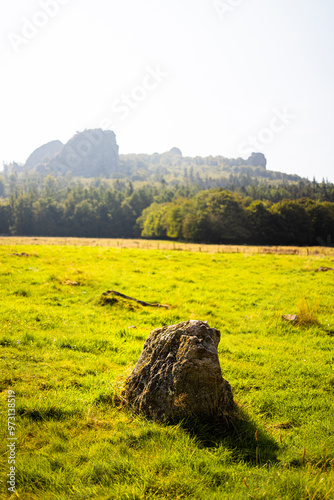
256	214
221	217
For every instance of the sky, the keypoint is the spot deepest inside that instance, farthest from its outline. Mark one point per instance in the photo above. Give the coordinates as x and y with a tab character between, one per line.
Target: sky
211	77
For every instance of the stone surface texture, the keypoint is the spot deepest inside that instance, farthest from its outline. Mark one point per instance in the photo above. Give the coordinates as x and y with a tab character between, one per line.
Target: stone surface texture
293	318
178	375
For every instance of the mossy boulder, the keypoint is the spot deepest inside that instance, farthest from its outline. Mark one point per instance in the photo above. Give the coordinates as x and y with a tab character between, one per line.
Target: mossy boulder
178	376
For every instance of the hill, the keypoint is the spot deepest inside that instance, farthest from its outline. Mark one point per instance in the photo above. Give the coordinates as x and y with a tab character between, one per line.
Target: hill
94	153
86	189
208	172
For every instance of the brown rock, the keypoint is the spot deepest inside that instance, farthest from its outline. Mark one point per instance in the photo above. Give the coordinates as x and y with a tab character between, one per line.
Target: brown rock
178	375
293	318
71	283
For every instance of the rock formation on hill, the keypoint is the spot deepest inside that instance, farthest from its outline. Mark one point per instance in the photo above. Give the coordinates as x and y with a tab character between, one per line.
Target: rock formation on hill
257	160
92	153
175	151
43	153
178	375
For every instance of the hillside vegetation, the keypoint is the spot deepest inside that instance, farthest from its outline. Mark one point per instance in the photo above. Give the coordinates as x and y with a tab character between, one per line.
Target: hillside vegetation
85	188
94	153
66	354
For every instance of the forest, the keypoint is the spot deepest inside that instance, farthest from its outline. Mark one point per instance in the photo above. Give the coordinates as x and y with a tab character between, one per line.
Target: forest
258	213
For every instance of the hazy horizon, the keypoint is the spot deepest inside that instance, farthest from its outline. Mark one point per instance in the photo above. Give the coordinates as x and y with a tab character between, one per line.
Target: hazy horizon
211	77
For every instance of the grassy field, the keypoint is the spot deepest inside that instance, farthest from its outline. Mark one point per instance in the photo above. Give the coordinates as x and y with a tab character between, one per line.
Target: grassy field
66	353
324	251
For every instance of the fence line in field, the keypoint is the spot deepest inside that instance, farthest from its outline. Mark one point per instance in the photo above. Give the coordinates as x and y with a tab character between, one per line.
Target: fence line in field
166	245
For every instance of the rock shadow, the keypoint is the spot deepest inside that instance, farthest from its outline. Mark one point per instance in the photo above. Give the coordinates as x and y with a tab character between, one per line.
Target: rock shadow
246	440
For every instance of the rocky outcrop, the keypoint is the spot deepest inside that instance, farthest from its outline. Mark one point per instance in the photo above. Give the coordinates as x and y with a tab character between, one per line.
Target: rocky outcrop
257	160
292	318
43	153
92	153
175	151
178	375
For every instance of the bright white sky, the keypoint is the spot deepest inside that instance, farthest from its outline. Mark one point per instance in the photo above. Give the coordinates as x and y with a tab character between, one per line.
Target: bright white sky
207	76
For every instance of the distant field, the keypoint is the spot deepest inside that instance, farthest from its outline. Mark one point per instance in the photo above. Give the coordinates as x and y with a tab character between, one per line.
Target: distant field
66	354
166	245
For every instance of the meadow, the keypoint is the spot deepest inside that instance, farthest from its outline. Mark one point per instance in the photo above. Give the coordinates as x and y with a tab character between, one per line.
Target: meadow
66	352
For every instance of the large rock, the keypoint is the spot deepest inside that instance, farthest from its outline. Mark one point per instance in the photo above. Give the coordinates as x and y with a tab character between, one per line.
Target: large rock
43	153
257	160
178	375
91	153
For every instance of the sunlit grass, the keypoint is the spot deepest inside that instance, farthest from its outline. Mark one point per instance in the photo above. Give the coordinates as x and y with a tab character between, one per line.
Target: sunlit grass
66	353
307	311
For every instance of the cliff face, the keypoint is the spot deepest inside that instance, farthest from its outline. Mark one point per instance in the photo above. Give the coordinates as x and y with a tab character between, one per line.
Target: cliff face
43	153
257	160
92	153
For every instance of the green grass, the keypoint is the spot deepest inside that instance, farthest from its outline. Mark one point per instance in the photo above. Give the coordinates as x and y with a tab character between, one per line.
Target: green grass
66	353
